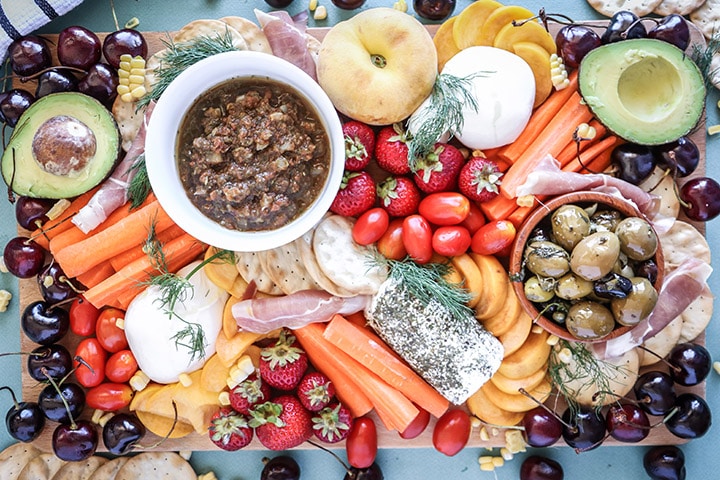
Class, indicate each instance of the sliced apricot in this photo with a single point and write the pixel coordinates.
(445, 43)
(539, 61)
(498, 19)
(533, 32)
(468, 25)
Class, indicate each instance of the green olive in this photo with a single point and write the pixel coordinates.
(605, 220)
(535, 291)
(547, 259)
(637, 238)
(623, 267)
(589, 321)
(637, 305)
(595, 255)
(570, 224)
(572, 287)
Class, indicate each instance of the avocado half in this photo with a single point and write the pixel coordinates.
(645, 91)
(63, 145)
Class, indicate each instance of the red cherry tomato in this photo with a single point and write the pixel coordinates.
(370, 226)
(361, 443)
(475, 219)
(121, 366)
(83, 317)
(417, 426)
(451, 240)
(452, 432)
(493, 237)
(417, 238)
(444, 208)
(109, 397)
(94, 355)
(110, 336)
(391, 244)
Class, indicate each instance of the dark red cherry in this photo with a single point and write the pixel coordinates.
(692, 363)
(585, 430)
(692, 418)
(75, 442)
(24, 420)
(43, 323)
(701, 197)
(78, 47)
(665, 462)
(627, 423)
(23, 257)
(536, 467)
(541, 427)
(655, 392)
(122, 432)
(31, 212)
(28, 55)
(52, 361)
(126, 41)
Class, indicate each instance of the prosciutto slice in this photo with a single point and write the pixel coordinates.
(286, 36)
(679, 289)
(263, 315)
(113, 193)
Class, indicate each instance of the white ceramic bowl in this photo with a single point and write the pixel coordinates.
(160, 147)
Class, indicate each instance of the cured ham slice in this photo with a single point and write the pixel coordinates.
(113, 193)
(286, 36)
(263, 315)
(680, 288)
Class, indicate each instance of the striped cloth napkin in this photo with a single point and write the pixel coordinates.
(21, 17)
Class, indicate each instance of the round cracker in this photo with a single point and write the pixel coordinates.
(109, 469)
(663, 185)
(679, 7)
(209, 28)
(14, 458)
(681, 242)
(250, 268)
(253, 35)
(661, 343)
(129, 120)
(285, 267)
(304, 245)
(346, 263)
(640, 8)
(83, 470)
(707, 18)
(155, 466)
(696, 316)
(42, 467)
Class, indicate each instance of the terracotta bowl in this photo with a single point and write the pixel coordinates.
(583, 199)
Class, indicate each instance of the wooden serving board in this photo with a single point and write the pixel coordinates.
(386, 439)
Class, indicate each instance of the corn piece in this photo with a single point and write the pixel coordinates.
(124, 82)
(104, 419)
(487, 467)
(120, 323)
(58, 208)
(245, 364)
(97, 414)
(126, 97)
(514, 441)
(485, 459)
(136, 79)
(137, 71)
(537, 329)
(224, 398)
(132, 23)
(565, 355)
(506, 454)
(484, 435)
(498, 461)
(716, 366)
(320, 13)
(525, 201)
(312, 5)
(123, 74)
(552, 340)
(231, 383)
(712, 130)
(400, 5)
(124, 65)
(139, 381)
(186, 454)
(126, 57)
(207, 476)
(138, 92)
(137, 62)
(475, 422)
(5, 297)
(3, 267)
(185, 380)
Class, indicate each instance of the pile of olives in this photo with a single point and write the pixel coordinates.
(591, 268)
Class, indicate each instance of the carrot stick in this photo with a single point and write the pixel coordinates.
(136, 251)
(96, 274)
(377, 357)
(139, 271)
(82, 256)
(571, 150)
(310, 337)
(498, 208)
(539, 120)
(51, 228)
(587, 157)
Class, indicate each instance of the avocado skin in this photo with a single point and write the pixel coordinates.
(645, 91)
(25, 176)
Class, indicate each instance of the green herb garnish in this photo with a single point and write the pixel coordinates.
(702, 55)
(139, 187)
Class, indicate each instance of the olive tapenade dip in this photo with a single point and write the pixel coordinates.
(252, 154)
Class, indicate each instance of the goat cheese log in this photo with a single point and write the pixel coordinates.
(456, 356)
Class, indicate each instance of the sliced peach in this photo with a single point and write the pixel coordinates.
(468, 25)
(533, 32)
(539, 61)
(517, 402)
(498, 19)
(480, 406)
(445, 43)
(214, 374)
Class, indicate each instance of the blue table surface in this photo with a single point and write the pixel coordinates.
(605, 462)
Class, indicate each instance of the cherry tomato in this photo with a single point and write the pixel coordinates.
(110, 336)
(370, 226)
(361, 443)
(417, 238)
(391, 244)
(444, 208)
(475, 219)
(493, 237)
(83, 317)
(417, 426)
(451, 240)
(94, 355)
(452, 432)
(121, 366)
(109, 397)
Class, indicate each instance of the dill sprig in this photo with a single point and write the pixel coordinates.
(427, 282)
(443, 113)
(139, 187)
(181, 55)
(702, 55)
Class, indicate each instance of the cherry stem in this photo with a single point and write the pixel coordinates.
(45, 70)
(73, 425)
(12, 394)
(550, 411)
(674, 368)
(135, 446)
(333, 454)
(32, 354)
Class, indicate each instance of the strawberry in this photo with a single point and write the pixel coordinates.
(283, 363)
(359, 145)
(282, 423)
(229, 430)
(249, 393)
(356, 194)
(315, 391)
(391, 150)
(399, 196)
(479, 179)
(332, 423)
(438, 171)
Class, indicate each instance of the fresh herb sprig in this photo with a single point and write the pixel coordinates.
(703, 55)
(139, 187)
(182, 55)
(443, 113)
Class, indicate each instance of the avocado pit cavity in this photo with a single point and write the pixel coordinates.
(63, 145)
(650, 87)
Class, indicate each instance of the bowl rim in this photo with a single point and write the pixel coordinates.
(546, 208)
(169, 112)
